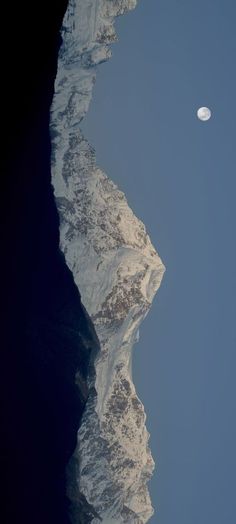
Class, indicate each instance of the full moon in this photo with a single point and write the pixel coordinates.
(204, 113)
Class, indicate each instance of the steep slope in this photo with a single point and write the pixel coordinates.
(118, 273)
(45, 333)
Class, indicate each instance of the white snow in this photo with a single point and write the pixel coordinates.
(116, 269)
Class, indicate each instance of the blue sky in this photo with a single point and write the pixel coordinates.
(179, 177)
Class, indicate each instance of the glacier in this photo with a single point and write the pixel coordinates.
(117, 271)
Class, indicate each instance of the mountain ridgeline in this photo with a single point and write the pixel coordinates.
(74, 446)
(117, 271)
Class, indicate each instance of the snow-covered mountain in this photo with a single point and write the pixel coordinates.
(118, 273)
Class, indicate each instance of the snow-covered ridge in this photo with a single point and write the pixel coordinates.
(118, 273)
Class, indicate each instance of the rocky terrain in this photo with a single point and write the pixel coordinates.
(117, 271)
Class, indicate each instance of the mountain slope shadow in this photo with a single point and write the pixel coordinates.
(46, 335)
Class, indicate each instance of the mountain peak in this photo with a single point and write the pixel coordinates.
(118, 273)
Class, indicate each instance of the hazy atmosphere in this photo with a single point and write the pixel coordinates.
(179, 177)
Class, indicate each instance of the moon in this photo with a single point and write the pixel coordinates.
(204, 113)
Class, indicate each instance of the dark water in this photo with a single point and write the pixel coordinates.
(45, 333)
